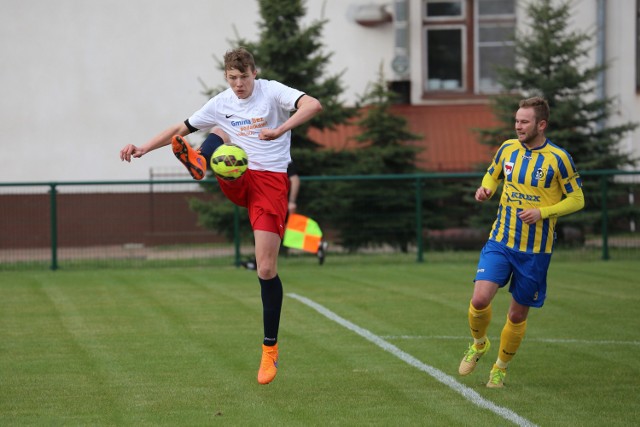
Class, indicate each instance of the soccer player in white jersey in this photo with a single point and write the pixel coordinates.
(256, 115)
(541, 183)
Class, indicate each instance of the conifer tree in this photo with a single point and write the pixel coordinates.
(378, 212)
(384, 135)
(292, 54)
(552, 62)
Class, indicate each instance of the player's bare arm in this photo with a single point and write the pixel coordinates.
(308, 107)
(163, 138)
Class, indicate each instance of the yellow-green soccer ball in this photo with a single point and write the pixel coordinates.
(229, 162)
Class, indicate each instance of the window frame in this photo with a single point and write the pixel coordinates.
(463, 75)
(426, 18)
(502, 20)
(471, 22)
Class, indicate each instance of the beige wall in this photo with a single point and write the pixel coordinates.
(621, 76)
(80, 78)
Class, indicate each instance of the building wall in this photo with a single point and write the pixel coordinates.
(449, 142)
(80, 79)
(620, 53)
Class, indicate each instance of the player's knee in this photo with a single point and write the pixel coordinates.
(222, 134)
(209, 145)
(267, 272)
(517, 316)
(480, 302)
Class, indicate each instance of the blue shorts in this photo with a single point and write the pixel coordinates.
(527, 272)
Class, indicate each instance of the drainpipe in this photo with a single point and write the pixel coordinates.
(401, 63)
(600, 55)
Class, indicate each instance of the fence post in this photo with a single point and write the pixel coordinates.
(419, 219)
(53, 225)
(605, 217)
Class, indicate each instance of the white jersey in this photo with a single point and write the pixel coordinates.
(269, 106)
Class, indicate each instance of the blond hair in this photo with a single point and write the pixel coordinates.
(540, 107)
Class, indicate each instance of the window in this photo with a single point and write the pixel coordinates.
(494, 41)
(464, 40)
(445, 58)
(444, 9)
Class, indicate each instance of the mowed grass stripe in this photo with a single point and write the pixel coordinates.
(47, 359)
(145, 345)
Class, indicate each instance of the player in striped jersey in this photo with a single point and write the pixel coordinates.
(541, 183)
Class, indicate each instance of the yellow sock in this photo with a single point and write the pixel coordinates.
(510, 339)
(479, 323)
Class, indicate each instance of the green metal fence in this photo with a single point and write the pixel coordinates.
(130, 223)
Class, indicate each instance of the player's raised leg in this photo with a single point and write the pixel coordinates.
(215, 139)
(195, 163)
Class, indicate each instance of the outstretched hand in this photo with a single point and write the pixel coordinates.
(130, 151)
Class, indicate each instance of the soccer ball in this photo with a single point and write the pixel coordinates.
(229, 162)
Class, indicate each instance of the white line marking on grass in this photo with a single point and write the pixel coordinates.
(549, 340)
(437, 374)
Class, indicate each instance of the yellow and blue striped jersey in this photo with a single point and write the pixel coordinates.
(533, 178)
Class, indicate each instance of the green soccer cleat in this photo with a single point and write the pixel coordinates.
(496, 377)
(471, 357)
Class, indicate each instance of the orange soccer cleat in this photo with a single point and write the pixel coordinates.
(268, 364)
(190, 158)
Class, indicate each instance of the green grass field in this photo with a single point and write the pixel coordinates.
(364, 341)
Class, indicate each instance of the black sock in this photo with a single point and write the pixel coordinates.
(271, 292)
(209, 145)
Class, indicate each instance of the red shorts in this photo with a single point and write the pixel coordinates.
(264, 194)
